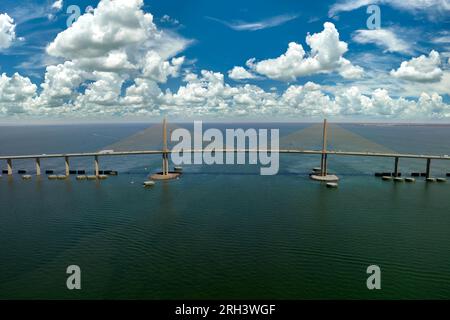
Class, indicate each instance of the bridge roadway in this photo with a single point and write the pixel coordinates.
(281, 151)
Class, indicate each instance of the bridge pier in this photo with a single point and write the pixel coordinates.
(322, 162)
(324, 165)
(38, 166)
(396, 167)
(165, 164)
(96, 166)
(9, 167)
(165, 156)
(66, 160)
(428, 171)
(323, 159)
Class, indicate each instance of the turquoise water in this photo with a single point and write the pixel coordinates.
(224, 231)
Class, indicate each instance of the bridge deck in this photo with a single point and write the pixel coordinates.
(282, 151)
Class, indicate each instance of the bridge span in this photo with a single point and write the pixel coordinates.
(165, 151)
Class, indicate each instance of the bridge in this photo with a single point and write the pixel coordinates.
(165, 151)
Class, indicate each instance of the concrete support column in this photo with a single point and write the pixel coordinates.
(396, 167)
(165, 164)
(324, 165)
(165, 156)
(67, 166)
(428, 172)
(321, 164)
(9, 165)
(38, 166)
(96, 166)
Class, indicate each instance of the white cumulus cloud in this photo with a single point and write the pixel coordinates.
(112, 26)
(421, 69)
(326, 56)
(60, 84)
(115, 26)
(7, 31)
(239, 73)
(105, 47)
(208, 94)
(159, 70)
(16, 94)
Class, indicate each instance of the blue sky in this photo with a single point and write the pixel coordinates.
(210, 38)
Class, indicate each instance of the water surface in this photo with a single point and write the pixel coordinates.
(224, 231)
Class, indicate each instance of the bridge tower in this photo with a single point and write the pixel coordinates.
(323, 161)
(165, 174)
(323, 174)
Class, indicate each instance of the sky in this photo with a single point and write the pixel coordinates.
(284, 60)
